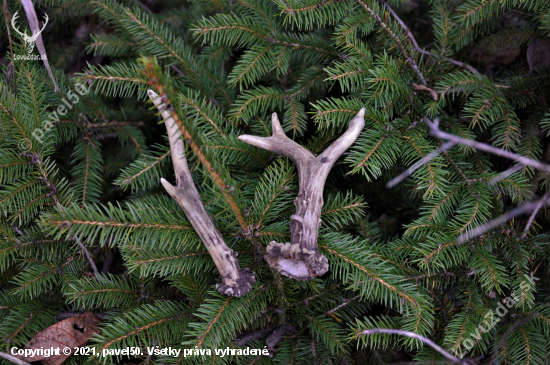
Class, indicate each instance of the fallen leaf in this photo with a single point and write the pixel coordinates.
(490, 60)
(538, 53)
(72, 332)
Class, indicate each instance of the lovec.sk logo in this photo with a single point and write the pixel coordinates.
(29, 40)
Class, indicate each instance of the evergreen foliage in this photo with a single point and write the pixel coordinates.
(93, 180)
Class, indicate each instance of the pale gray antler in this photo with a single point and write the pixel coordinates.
(234, 280)
(300, 259)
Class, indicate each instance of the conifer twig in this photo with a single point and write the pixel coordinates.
(300, 259)
(425, 340)
(234, 280)
(423, 51)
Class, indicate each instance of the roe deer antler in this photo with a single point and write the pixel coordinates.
(300, 259)
(234, 280)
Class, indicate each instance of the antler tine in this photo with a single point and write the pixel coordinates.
(338, 147)
(177, 149)
(234, 280)
(300, 259)
(276, 125)
(280, 144)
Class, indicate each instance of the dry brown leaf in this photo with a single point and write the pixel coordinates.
(538, 53)
(71, 333)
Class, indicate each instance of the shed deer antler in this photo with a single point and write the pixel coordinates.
(234, 280)
(300, 259)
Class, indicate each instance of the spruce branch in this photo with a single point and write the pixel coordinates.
(300, 259)
(234, 281)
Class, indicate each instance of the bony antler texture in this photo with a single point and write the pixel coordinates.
(300, 259)
(234, 280)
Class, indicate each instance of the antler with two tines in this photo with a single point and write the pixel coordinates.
(234, 280)
(300, 259)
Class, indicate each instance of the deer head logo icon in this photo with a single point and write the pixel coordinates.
(29, 40)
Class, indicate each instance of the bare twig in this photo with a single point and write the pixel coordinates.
(522, 209)
(243, 340)
(275, 337)
(427, 341)
(431, 362)
(234, 280)
(87, 254)
(151, 354)
(423, 51)
(532, 207)
(543, 201)
(434, 131)
(35, 29)
(13, 226)
(343, 304)
(419, 164)
(300, 259)
(397, 40)
(13, 359)
(505, 174)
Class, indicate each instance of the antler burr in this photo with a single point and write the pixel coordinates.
(300, 259)
(234, 280)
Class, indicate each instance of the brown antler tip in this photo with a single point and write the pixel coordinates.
(241, 286)
(295, 262)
